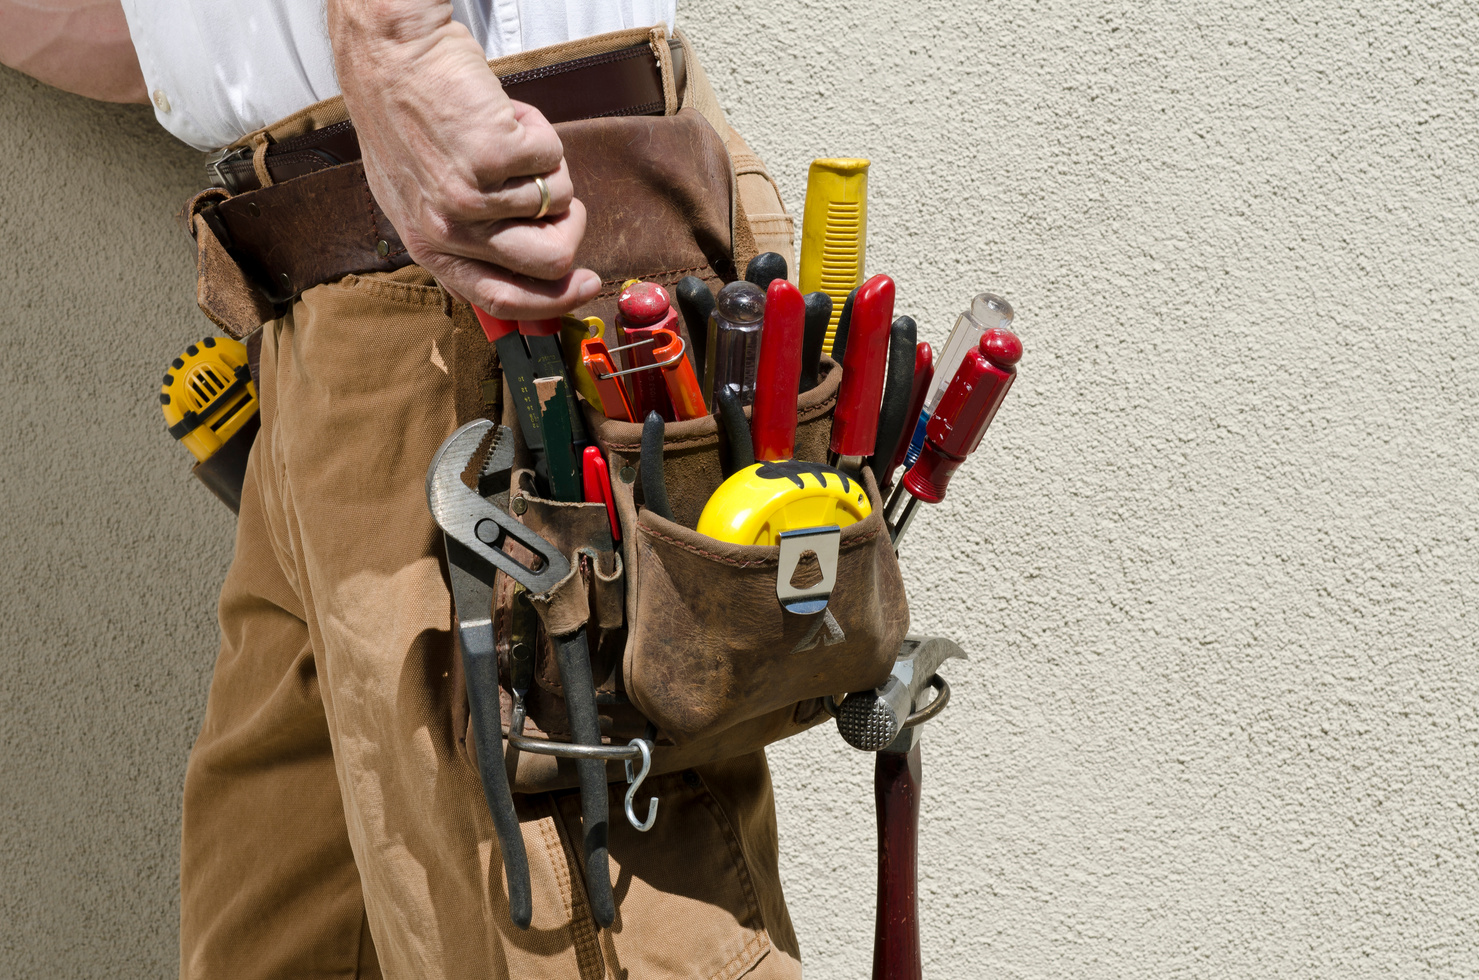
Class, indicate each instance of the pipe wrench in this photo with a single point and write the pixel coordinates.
(475, 531)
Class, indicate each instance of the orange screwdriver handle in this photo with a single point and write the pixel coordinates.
(597, 361)
(677, 371)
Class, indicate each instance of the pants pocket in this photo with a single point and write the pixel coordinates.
(687, 904)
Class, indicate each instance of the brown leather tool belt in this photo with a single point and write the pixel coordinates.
(318, 222)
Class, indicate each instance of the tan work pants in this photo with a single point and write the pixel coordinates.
(334, 826)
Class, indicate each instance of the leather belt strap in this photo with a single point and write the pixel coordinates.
(627, 82)
(318, 222)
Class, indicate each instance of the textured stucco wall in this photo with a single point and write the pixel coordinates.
(1214, 563)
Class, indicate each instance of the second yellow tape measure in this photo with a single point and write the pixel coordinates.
(759, 502)
(208, 395)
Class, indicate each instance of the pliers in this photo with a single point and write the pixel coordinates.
(475, 530)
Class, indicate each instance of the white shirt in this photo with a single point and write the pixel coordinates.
(219, 69)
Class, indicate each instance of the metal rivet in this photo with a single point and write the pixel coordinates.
(519, 505)
(287, 283)
(253, 210)
(628, 474)
(382, 248)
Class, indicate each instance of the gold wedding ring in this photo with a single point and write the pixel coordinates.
(543, 186)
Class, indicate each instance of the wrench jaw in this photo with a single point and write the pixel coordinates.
(480, 527)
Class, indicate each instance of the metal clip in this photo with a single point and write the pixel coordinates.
(682, 346)
(641, 826)
(824, 542)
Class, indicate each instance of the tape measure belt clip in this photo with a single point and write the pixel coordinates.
(822, 542)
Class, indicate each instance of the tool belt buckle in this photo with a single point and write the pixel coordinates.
(220, 178)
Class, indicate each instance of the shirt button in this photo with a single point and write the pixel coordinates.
(161, 101)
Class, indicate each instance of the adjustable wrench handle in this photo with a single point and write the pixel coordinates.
(573, 656)
(480, 665)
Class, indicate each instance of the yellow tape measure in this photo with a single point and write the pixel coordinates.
(759, 502)
(208, 395)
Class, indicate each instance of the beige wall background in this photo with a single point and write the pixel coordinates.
(1215, 562)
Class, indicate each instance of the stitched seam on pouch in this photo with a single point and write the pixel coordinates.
(759, 562)
(650, 276)
(636, 110)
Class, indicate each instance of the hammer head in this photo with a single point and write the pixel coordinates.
(871, 720)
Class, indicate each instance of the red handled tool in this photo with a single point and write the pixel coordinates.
(855, 420)
(677, 373)
(642, 309)
(959, 421)
(778, 375)
(597, 361)
(598, 486)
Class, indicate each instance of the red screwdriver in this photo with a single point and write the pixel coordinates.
(778, 375)
(855, 421)
(958, 423)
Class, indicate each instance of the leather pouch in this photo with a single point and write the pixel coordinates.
(709, 642)
(692, 647)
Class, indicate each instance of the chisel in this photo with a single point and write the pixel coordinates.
(542, 337)
(559, 448)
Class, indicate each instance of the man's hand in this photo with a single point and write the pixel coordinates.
(452, 160)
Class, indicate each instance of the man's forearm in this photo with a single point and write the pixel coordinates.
(79, 46)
